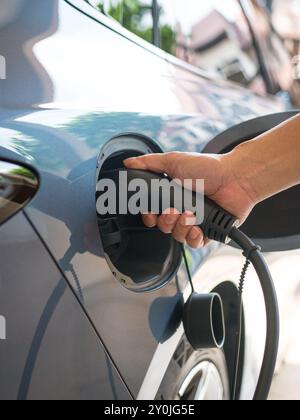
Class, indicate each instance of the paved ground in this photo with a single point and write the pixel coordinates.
(287, 383)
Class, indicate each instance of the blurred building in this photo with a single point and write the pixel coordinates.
(219, 45)
(286, 19)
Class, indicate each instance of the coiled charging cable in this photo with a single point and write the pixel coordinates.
(221, 226)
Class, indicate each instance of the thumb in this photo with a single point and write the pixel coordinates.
(155, 163)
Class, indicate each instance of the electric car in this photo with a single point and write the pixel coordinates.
(92, 308)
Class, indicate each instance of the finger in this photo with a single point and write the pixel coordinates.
(150, 220)
(195, 238)
(156, 162)
(206, 241)
(184, 226)
(168, 220)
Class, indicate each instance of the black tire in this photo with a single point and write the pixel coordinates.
(185, 361)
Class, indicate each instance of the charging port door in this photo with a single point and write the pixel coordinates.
(140, 259)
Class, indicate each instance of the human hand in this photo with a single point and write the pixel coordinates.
(222, 185)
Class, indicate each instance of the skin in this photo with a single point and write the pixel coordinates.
(237, 181)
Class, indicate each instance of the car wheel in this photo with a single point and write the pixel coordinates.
(196, 375)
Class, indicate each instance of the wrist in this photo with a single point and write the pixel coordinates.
(243, 171)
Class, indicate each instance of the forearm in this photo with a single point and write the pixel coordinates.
(270, 163)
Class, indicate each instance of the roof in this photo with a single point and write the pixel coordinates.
(214, 28)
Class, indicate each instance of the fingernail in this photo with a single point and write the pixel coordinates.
(150, 221)
(135, 163)
(129, 161)
(194, 233)
(189, 219)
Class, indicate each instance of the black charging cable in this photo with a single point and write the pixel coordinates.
(254, 255)
(221, 226)
(188, 268)
(239, 331)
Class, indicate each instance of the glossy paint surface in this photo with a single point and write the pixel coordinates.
(73, 84)
(51, 350)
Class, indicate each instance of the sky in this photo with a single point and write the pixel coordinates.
(189, 12)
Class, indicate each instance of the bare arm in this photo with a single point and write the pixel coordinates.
(270, 163)
(237, 181)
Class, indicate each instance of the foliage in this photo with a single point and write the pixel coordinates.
(168, 39)
(25, 173)
(136, 16)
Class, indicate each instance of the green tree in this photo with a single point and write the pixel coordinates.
(25, 173)
(135, 16)
(168, 39)
(131, 14)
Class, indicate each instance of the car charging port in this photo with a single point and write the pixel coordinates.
(204, 322)
(141, 259)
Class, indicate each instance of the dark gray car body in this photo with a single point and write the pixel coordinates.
(74, 80)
